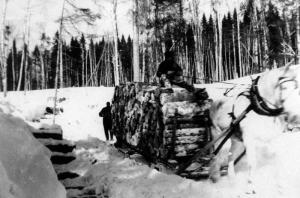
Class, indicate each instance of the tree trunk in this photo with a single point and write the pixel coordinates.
(61, 70)
(136, 61)
(234, 71)
(21, 68)
(264, 29)
(61, 74)
(287, 36)
(13, 69)
(216, 68)
(56, 84)
(198, 55)
(86, 67)
(220, 69)
(82, 64)
(42, 68)
(143, 73)
(239, 39)
(116, 64)
(298, 32)
(27, 33)
(255, 39)
(3, 50)
(91, 66)
(26, 73)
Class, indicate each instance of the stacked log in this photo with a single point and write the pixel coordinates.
(161, 124)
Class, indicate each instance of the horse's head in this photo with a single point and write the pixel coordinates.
(281, 88)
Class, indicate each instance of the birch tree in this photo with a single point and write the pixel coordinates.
(13, 55)
(60, 53)
(42, 47)
(197, 29)
(116, 53)
(218, 39)
(298, 31)
(136, 61)
(3, 39)
(25, 47)
(239, 37)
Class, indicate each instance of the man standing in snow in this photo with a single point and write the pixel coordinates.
(170, 70)
(107, 121)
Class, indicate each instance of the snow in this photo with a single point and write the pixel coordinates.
(105, 170)
(118, 177)
(25, 167)
(81, 106)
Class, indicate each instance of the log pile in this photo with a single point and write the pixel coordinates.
(160, 124)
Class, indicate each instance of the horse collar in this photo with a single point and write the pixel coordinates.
(258, 103)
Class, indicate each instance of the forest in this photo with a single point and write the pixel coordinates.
(254, 36)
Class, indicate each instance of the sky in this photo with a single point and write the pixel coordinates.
(45, 13)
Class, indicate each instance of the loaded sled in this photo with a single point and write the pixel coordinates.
(171, 129)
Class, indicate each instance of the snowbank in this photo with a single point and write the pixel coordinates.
(25, 167)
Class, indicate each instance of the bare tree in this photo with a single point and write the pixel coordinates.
(218, 39)
(194, 7)
(136, 61)
(239, 37)
(25, 46)
(116, 64)
(4, 38)
(60, 54)
(298, 30)
(42, 47)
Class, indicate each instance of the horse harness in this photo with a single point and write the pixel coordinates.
(258, 104)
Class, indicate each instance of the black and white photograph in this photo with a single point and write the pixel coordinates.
(149, 98)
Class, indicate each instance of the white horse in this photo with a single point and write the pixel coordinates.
(274, 99)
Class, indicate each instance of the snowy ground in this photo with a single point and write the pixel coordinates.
(81, 106)
(278, 173)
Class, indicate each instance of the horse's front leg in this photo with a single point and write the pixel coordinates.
(252, 164)
(236, 151)
(217, 162)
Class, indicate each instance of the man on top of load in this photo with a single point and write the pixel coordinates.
(169, 73)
